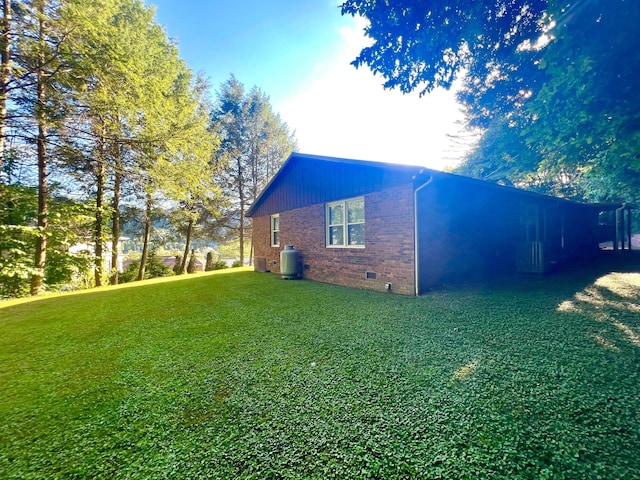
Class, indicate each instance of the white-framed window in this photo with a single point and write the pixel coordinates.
(275, 230)
(345, 223)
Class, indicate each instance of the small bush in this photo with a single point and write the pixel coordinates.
(236, 264)
(153, 269)
(219, 265)
(130, 273)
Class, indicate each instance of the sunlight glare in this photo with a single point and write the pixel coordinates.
(625, 285)
(603, 342)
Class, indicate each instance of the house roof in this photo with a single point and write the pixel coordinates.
(306, 179)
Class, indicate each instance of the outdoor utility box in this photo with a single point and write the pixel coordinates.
(289, 262)
(260, 264)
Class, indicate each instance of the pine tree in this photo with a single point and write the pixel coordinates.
(254, 143)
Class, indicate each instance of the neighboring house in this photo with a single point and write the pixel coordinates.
(409, 229)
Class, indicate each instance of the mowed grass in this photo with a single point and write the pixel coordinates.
(244, 375)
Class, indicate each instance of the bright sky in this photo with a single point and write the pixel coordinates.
(299, 52)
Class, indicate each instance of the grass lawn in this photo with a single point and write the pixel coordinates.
(243, 375)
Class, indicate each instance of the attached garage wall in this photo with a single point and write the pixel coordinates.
(465, 233)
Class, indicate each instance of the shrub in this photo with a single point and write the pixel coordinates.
(153, 269)
(130, 273)
(16, 259)
(219, 265)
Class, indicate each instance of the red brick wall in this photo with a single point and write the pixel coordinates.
(388, 252)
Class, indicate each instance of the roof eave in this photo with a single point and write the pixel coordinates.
(409, 169)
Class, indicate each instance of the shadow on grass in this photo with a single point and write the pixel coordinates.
(605, 290)
(554, 286)
(612, 299)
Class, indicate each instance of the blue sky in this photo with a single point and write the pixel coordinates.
(298, 53)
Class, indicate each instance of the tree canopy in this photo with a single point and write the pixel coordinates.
(97, 94)
(553, 85)
(100, 116)
(255, 141)
(425, 44)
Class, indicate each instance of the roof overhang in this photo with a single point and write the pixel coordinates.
(417, 174)
(412, 171)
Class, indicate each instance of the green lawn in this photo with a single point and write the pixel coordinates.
(243, 375)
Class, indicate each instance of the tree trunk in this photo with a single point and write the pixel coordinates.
(98, 232)
(241, 186)
(43, 214)
(191, 268)
(183, 267)
(40, 259)
(241, 233)
(5, 55)
(115, 225)
(147, 236)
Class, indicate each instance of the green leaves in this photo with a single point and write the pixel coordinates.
(423, 45)
(70, 223)
(254, 143)
(575, 134)
(553, 86)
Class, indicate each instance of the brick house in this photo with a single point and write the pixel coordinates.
(408, 229)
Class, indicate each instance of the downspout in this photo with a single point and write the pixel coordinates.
(617, 235)
(416, 253)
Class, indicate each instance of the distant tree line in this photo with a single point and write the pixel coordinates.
(99, 116)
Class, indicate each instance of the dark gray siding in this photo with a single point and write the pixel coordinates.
(305, 181)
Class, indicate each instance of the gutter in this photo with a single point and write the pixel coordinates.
(416, 258)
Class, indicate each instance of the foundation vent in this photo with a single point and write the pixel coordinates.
(260, 264)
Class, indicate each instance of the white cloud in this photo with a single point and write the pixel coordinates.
(345, 112)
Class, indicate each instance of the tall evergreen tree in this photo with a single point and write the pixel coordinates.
(135, 113)
(41, 55)
(187, 178)
(254, 143)
(123, 52)
(96, 92)
(5, 71)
